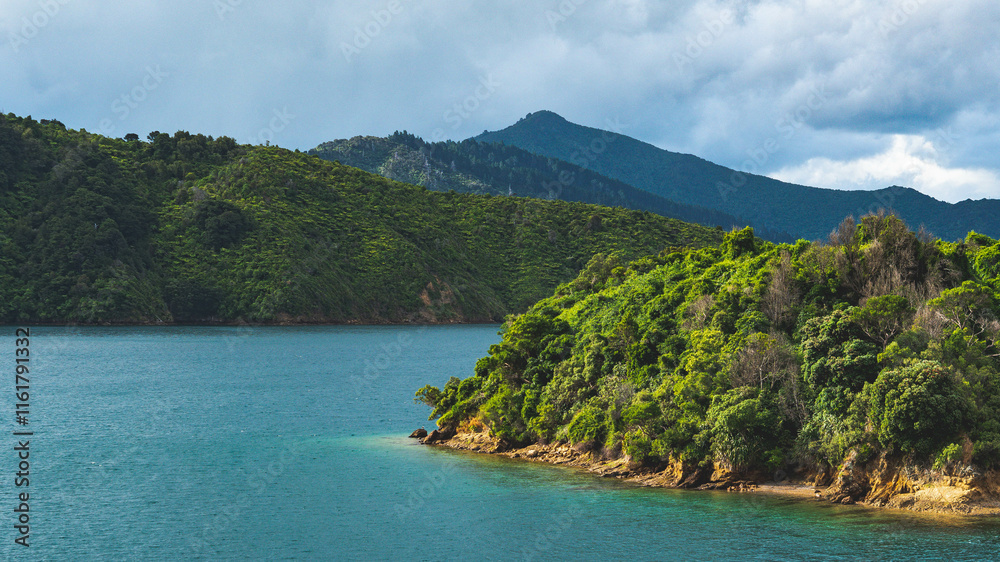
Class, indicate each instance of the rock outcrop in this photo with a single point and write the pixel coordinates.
(883, 482)
(879, 482)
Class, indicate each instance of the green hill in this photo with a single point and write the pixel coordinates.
(473, 167)
(754, 357)
(805, 212)
(187, 228)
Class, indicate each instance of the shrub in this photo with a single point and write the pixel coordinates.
(918, 407)
(588, 426)
(222, 223)
(502, 413)
(948, 455)
(638, 447)
(745, 428)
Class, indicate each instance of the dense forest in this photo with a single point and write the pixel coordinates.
(189, 228)
(473, 167)
(879, 344)
(804, 212)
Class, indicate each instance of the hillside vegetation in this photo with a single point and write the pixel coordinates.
(188, 228)
(754, 357)
(497, 169)
(804, 212)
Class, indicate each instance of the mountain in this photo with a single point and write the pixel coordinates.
(189, 228)
(805, 212)
(473, 167)
(868, 365)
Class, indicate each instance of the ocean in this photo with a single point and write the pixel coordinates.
(290, 443)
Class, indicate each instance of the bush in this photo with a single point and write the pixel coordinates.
(986, 451)
(641, 412)
(222, 223)
(587, 427)
(638, 447)
(948, 455)
(918, 407)
(835, 355)
(738, 242)
(503, 414)
(745, 428)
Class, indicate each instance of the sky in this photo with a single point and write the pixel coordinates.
(847, 94)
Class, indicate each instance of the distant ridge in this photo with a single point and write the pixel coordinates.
(803, 211)
(487, 168)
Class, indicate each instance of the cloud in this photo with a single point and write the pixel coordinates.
(716, 78)
(910, 160)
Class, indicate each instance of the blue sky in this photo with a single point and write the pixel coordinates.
(851, 94)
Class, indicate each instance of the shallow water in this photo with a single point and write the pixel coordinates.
(289, 443)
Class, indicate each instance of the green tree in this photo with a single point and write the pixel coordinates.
(918, 407)
(883, 318)
(746, 429)
(834, 353)
(223, 224)
(971, 306)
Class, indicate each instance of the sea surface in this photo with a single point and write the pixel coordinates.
(290, 444)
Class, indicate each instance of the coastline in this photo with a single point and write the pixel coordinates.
(941, 495)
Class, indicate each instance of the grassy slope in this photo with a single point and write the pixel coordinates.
(472, 167)
(190, 228)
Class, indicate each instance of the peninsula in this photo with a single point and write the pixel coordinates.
(864, 367)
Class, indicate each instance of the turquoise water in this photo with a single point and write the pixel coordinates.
(289, 444)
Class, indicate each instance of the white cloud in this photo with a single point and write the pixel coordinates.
(909, 161)
(708, 77)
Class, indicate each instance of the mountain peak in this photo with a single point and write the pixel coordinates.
(807, 212)
(545, 115)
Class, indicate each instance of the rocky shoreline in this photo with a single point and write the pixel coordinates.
(876, 484)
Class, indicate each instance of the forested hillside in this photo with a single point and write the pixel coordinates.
(879, 346)
(804, 212)
(189, 228)
(497, 169)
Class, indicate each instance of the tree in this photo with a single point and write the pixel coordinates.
(834, 353)
(970, 307)
(428, 395)
(918, 407)
(739, 242)
(764, 361)
(745, 428)
(191, 300)
(879, 255)
(782, 294)
(222, 223)
(883, 318)
(987, 261)
(587, 427)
